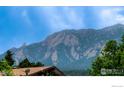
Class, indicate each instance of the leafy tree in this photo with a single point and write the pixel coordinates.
(96, 66)
(110, 49)
(5, 68)
(112, 57)
(122, 39)
(9, 58)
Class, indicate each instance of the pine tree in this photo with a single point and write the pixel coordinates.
(25, 63)
(9, 58)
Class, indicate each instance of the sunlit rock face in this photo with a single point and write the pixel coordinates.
(69, 49)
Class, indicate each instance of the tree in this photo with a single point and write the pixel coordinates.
(112, 57)
(122, 39)
(9, 58)
(5, 68)
(110, 49)
(25, 63)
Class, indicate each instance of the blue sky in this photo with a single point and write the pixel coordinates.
(20, 25)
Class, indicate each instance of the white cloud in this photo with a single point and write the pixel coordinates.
(53, 18)
(64, 18)
(73, 17)
(110, 16)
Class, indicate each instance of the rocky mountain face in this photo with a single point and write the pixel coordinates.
(69, 49)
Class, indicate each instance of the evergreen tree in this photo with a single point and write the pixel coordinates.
(25, 63)
(9, 58)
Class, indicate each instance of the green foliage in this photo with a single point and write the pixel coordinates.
(26, 63)
(122, 39)
(112, 57)
(5, 68)
(9, 58)
(110, 48)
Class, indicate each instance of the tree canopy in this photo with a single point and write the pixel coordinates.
(111, 59)
(5, 68)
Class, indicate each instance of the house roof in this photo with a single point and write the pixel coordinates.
(1, 74)
(33, 70)
(21, 71)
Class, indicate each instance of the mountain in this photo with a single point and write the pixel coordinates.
(69, 50)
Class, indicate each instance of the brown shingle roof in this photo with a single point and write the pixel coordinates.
(34, 70)
(21, 71)
(1, 74)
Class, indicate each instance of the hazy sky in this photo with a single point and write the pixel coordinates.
(20, 25)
